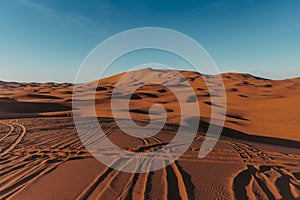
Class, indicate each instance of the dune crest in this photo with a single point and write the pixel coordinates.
(255, 105)
(256, 157)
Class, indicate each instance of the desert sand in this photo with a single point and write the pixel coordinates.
(257, 156)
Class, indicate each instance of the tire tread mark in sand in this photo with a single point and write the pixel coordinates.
(262, 155)
(173, 191)
(175, 174)
(284, 182)
(190, 187)
(16, 183)
(53, 140)
(88, 138)
(64, 143)
(148, 185)
(102, 176)
(259, 153)
(16, 141)
(243, 154)
(280, 189)
(245, 151)
(176, 186)
(8, 133)
(98, 180)
(23, 178)
(130, 190)
(149, 175)
(240, 183)
(116, 172)
(10, 169)
(129, 187)
(107, 133)
(143, 178)
(148, 147)
(18, 171)
(144, 141)
(181, 185)
(156, 139)
(29, 178)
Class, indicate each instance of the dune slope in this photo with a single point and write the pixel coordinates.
(255, 106)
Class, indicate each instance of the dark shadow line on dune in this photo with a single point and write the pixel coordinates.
(173, 190)
(187, 178)
(265, 188)
(228, 132)
(241, 181)
(283, 185)
(148, 185)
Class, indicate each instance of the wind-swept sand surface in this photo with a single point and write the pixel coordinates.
(257, 156)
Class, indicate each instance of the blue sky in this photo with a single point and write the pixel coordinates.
(48, 40)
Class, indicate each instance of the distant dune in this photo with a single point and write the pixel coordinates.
(256, 157)
(255, 106)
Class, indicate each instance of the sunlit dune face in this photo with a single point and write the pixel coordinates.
(254, 105)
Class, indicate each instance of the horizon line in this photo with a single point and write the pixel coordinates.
(183, 70)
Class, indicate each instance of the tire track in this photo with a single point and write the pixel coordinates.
(16, 177)
(248, 152)
(130, 191)
(144, 141)
(16, 141)
(148, 187)
(109, 182)
(127, 191)
(98, 180)
(174, 174)
(182, 191)
(142, 181)
(29, 178)
(34, 171)
(274, 182)
(106, 135)
(8, 133)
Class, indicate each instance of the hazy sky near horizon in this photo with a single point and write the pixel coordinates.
(47, 40)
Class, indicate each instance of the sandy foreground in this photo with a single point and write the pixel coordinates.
(43, 158)
(257, 156)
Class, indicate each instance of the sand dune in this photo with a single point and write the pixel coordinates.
(257, 156)
(255, 106)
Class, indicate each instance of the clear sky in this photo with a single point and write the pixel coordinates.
(48, 40)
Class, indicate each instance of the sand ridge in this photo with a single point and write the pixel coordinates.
(252, 102)
(257, 156)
